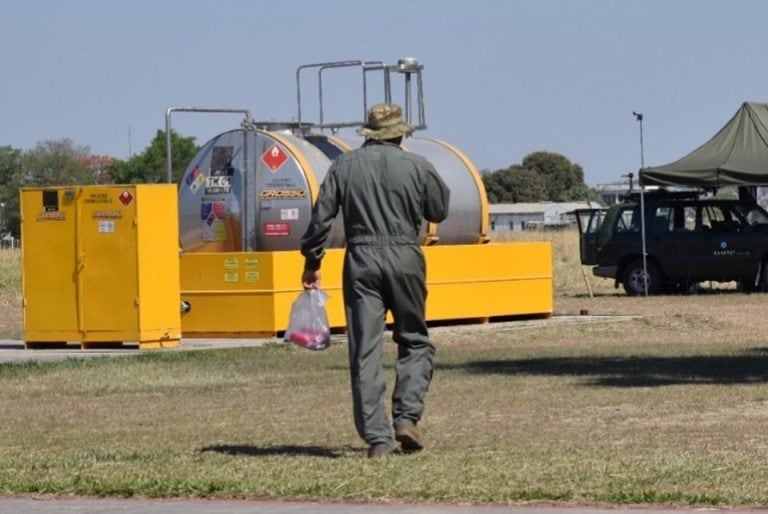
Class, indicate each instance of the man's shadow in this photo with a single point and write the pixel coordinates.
(288, 450)
(748, 367)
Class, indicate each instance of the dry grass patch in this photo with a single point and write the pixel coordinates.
(666, 408)
(570, 277)
(10, 294)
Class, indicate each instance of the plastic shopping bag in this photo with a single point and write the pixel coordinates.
(308, 324)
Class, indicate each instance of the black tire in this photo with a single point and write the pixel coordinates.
(632, 278)
(763, 286)
(682, 287)
(748, 285)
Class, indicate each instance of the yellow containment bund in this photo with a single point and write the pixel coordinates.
(100, 265)
(249, 294)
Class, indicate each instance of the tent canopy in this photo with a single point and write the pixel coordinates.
(736, 156)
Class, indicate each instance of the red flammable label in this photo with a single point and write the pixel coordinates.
(125, 197)
(274, 157)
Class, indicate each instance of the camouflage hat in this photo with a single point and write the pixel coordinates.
(385, 121)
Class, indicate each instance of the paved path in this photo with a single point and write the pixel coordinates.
(109, 506)
(14, 351)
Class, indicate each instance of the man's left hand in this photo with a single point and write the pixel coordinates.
(311, 279)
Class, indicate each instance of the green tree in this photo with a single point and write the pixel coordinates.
(542, 176)
(515, 184)
(564, 179)
(10, 176)
(55, 163)
(150, 166)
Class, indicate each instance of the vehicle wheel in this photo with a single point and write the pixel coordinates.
(675, 287)
(633, 280)
(748, 286)
(763, 287)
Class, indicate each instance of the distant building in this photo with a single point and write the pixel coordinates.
(8, 241)
(611, 192)
(509, 217)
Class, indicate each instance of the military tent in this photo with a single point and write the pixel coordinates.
(736, 156)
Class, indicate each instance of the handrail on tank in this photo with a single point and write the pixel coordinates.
(407, 66)
(321, 66)
(248, 124)
(366, 67)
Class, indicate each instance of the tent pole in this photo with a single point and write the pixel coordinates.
(642, 238)
(639, 118)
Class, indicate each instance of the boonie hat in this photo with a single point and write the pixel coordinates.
(385, 121)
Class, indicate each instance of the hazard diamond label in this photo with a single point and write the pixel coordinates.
(125, 197)
(274, 157)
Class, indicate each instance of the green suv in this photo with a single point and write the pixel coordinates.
(688, 240)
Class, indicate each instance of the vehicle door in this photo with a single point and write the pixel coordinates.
(589, 221)
(684, 248)
(735, 256)
(619, 235)
(724, 251)
(663, 241)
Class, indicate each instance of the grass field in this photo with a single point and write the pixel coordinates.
(668, 407)
(10, 294)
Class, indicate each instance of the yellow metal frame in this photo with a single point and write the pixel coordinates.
(249, 294)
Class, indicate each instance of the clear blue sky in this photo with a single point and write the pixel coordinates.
(502, 78)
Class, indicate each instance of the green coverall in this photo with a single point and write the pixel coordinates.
(384, 194)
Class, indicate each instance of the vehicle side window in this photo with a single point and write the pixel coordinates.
(754, 215)
(711, 216)
(626, 221)
(662, 220)
(732, 221)
(689, 217)
(721, 219)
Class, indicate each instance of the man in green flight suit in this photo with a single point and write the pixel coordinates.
(384, 194)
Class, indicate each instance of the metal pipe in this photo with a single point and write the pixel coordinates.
(168, 154)
(366, 67)
(408, 98)
(409, 67)
(420, 95)
(248, 125)
(369, 66)
(244, 244)
(314, 65)
(387, 86)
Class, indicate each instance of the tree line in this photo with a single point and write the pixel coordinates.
(62, 162)
(541, 176)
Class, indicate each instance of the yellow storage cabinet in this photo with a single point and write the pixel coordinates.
(100, 264)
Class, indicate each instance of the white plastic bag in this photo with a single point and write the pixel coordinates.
(308, 323)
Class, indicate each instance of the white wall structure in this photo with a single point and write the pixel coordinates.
(516, 217)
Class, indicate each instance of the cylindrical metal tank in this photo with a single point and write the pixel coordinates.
(267, 207)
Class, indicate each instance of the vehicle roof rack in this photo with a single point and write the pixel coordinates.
(663, 194)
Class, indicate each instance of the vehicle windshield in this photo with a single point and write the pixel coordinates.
(753, 214)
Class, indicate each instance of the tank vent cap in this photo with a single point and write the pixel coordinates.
(408, 64)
